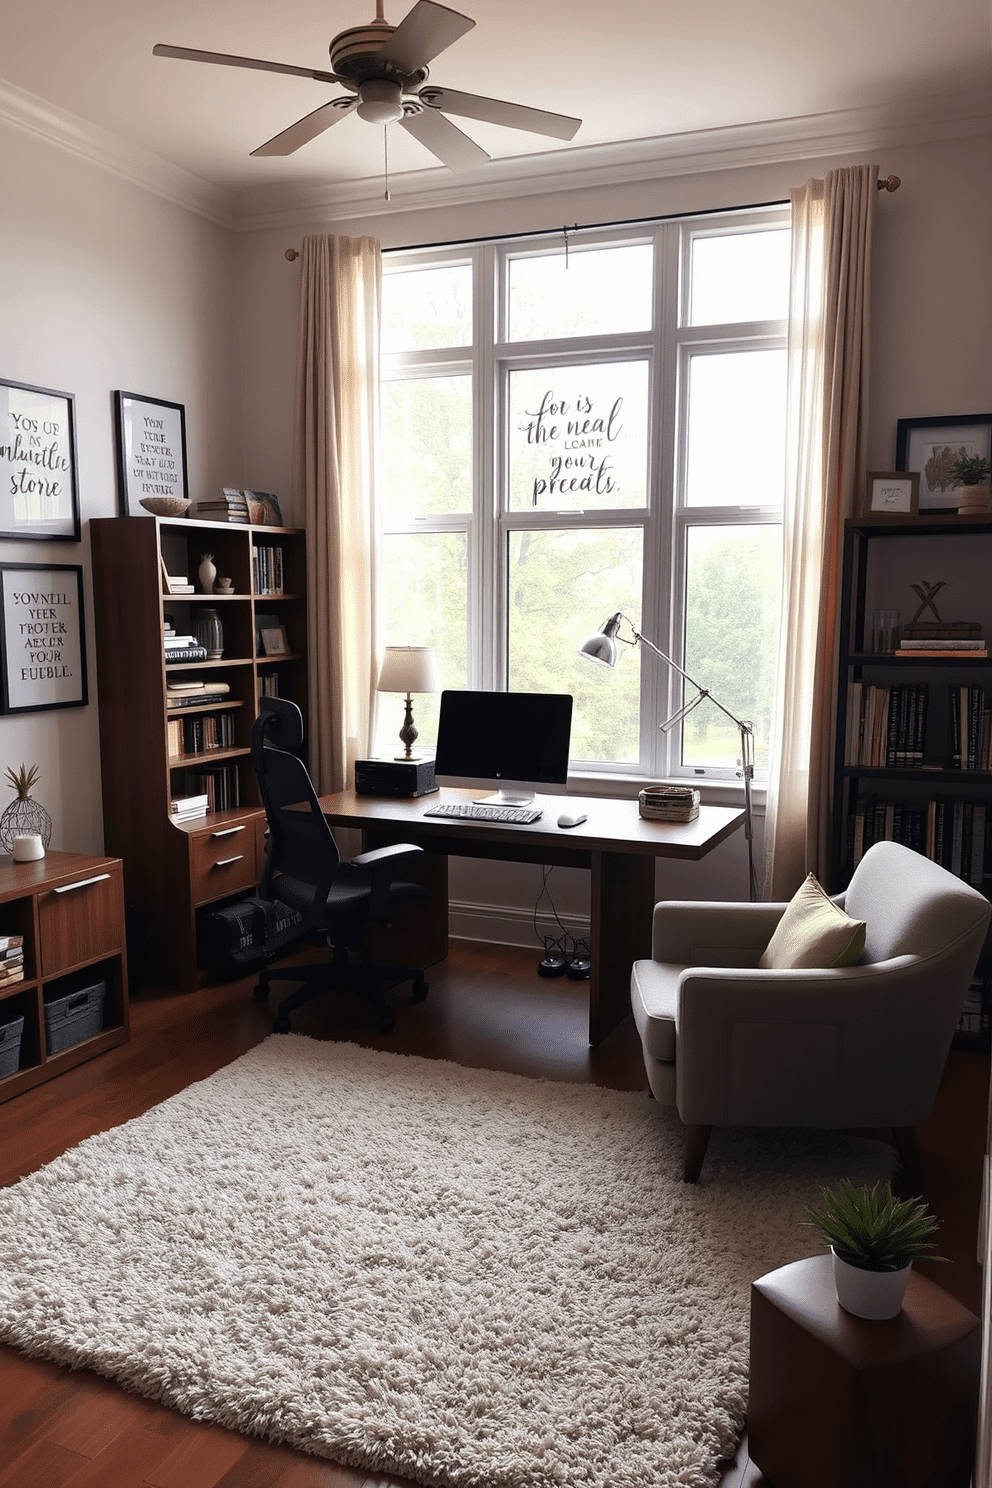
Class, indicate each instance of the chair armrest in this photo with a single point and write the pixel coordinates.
(383, 863)
(694, 933)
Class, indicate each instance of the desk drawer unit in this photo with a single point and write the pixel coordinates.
(223, 861)
(80, 921)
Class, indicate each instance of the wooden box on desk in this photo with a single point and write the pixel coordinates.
(836, 1400)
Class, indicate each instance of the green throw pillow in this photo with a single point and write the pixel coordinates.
(813, 932)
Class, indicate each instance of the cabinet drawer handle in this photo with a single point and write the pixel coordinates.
(82, 884)
(228, 831)
(226, 862)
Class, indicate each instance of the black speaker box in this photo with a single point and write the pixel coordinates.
(394, 777)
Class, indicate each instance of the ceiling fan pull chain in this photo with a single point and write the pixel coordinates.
(385, 156)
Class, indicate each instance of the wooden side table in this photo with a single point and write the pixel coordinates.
(839, 1400)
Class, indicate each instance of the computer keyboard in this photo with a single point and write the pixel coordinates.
(472, 811)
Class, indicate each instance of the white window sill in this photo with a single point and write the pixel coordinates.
(627, 787)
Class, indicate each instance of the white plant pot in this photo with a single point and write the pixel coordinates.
(869, 1294)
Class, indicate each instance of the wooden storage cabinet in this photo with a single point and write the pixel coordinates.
(69, 907)
(173, 870)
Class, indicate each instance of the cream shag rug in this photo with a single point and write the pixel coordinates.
(457, 1275)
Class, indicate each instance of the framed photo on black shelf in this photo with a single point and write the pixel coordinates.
(930, 446)
(151, 452)
(39, 494)
(274, 641)
(892, 493)
(42, 647)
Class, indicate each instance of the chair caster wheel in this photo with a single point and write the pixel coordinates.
(386, 1023)
(281, 1025)
(420, 990)
(260, 992)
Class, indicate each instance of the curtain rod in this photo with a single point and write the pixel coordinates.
(887, 183)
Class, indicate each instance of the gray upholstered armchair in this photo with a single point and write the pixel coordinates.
(731, 1044)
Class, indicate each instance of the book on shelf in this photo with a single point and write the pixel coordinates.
(948, 655)
(15, 974)
(179, 642)
(11, 942)
(942, 643)
(177, 654)
(202, 699)
(942, 630)
(267, 576)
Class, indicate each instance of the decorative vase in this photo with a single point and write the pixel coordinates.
(207, 572)
(24, 816)
(974, 501)
(210, 632)
(869, 1294)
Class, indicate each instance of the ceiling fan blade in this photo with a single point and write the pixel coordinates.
(426, 32)
(307, 128)
(189, 54)
(495, 111)
(453, 148)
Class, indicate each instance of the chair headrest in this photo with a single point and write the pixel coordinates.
(281, 723)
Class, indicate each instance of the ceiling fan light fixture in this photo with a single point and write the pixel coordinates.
(379, 101)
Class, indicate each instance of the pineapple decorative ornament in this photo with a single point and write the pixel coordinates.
(24, 815)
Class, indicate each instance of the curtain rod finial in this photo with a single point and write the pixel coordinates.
(292, 254)
(890, 183)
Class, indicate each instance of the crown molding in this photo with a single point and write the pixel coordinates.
(116, 155)
(734, 147)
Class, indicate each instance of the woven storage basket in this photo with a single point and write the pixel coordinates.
(668, 803)
(10, 1046)
(74, 1016)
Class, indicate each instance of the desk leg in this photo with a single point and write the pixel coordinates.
(417, 934)
(622, 902)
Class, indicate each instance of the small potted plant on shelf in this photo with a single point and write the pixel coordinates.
(874, 1239)
(973, 472)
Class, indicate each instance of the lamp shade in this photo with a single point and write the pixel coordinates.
(602, 646)
(409, 669)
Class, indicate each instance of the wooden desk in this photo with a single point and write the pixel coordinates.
(614, 843)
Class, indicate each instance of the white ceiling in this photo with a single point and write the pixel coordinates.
(637, 72)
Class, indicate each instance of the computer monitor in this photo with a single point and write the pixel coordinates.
(513, 744)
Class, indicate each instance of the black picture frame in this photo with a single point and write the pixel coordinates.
(929, 446)
(42, 637)
(151, 450)
(39, 484)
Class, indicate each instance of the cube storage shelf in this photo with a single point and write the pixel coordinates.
(69, 909)
(176, 870)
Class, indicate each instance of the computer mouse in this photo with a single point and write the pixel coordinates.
(565, 820)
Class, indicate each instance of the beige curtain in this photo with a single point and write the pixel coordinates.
(832, 226)
(334, 479)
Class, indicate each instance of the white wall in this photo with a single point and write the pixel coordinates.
(931, 328)
(106, 286)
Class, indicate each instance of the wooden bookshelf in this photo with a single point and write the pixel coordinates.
(173, 871)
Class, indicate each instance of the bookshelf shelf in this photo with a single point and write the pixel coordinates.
(936, 708)
(175, 870)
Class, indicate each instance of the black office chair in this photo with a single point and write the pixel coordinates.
(303, 869)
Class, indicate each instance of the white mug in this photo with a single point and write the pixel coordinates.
(27, 847)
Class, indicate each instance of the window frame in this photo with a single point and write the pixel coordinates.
(667, 346)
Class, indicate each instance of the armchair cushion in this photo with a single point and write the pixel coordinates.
(814, 932)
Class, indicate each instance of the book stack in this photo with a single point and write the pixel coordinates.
(230, 506)
(182, 648)
(674, 803)
(187, 808)
(11, 959)
(218, 785)
(194, 694)
(970, 727)
(958, 638)
(886, 726)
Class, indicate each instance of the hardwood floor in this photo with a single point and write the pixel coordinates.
(487, 1007)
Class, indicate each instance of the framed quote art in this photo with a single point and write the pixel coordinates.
(151, 450)
(39, 495)
(42, 644)
(892, 493)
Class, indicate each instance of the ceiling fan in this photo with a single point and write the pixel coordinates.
(385, 69)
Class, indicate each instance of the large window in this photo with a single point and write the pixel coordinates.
(574, 430)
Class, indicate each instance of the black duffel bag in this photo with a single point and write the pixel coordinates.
(247, 935)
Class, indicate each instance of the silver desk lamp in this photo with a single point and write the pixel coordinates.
(602, 647)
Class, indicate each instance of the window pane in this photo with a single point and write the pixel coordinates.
(598, 291)
(424, 588)
(578, 437)
(740, 276)
(426, 447)
(562, 585)
(736, 444)
(733, 583)
(426, 308)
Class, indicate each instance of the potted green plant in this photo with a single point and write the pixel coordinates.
(973, 473)
(874, 1239)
